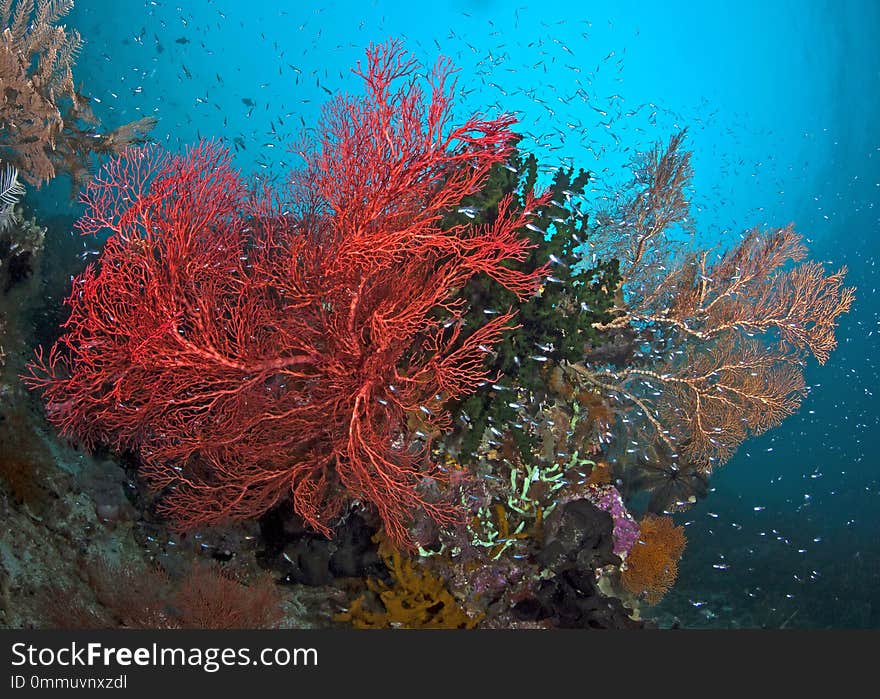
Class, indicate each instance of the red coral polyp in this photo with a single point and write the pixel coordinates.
(252, 352)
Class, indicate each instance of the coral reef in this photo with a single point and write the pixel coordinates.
(409, 388)
(211, 598)
(36, 62)
(554, 325)
(626, 530)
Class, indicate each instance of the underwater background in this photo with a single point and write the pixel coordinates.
(781, 102)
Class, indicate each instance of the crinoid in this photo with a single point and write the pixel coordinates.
(674, 485)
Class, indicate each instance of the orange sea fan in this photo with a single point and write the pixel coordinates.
(722, 337)
(652, 563)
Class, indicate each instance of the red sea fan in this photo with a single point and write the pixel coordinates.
(251, 352)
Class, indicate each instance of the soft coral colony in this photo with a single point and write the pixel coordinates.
(411, 330)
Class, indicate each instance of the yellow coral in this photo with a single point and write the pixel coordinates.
(652, 564)
(416, 599)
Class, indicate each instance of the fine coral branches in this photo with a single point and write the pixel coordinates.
(207, 596)
(75, 150)
(36, 61)
(705, 405)
(45, 123)
(722, 341)
(749, 291)
(635, 233)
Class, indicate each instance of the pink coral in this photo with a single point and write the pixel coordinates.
(626, 529)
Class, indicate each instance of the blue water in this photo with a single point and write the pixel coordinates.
(782, 102)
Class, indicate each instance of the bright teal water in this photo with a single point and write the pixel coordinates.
(781, 99)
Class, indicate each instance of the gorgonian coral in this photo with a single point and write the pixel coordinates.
(251, 352)
(652, 564)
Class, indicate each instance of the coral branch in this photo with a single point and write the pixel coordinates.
(46, 125)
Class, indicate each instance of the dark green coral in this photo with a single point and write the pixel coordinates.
(556, 324)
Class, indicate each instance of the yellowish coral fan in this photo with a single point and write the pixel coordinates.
(36, 60)
(652, 564)
(416, 599)
(47, 124)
